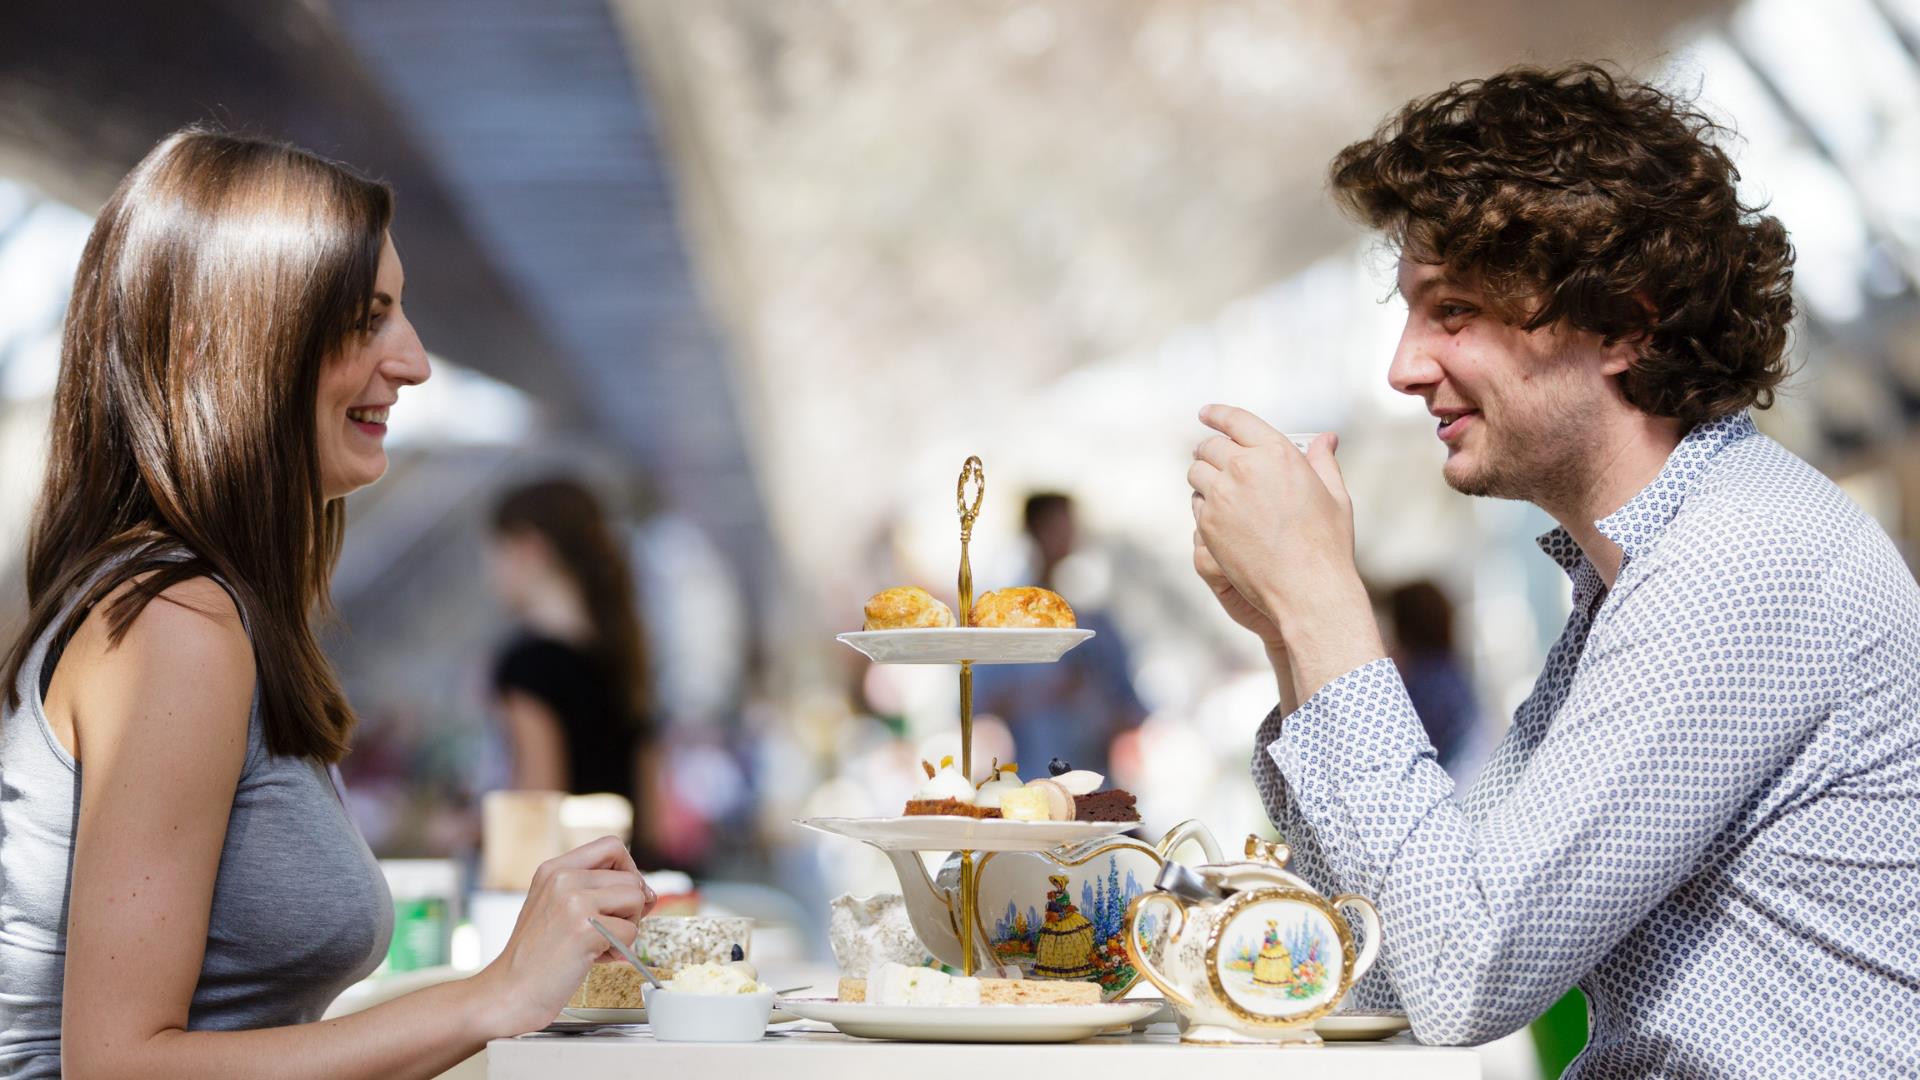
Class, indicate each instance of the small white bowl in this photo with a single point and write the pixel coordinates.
(679, 1017)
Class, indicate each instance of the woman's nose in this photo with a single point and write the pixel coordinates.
(407, 364)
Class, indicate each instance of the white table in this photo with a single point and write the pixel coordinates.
(813, 1052)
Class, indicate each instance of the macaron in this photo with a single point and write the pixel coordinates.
(1059, 799)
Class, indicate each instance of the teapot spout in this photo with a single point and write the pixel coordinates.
(930, 907)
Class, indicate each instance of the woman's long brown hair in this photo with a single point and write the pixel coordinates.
(568, 517)
(219, 278)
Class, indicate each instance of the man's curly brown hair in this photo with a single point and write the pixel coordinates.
(1575, 194)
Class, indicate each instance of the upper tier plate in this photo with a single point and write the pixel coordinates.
(931, 833)
(955, 645)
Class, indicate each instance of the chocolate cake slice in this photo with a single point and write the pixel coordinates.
(1111, 805)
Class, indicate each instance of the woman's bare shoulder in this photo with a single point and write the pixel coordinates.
(193, 621)
(185, 656)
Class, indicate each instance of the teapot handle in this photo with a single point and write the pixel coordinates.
(1362, 909)
(1141, 961)
(1189, 829)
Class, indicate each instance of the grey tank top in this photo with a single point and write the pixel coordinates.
(300, 908)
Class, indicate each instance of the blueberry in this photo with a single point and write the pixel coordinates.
(1056, 767)
(739, 954)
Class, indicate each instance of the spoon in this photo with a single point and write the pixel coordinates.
(626, 952)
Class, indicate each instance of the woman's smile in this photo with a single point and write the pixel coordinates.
(370, 419)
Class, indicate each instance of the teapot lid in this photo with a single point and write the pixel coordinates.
(1265, 864)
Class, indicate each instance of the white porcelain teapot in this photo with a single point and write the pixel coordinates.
(1246, 951)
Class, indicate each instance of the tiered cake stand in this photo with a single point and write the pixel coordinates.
(966, 647)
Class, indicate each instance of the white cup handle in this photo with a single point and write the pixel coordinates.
(1362, 908)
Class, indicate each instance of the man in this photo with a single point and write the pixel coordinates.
(1707, 813)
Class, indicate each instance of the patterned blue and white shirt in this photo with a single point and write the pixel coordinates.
(1706, 814)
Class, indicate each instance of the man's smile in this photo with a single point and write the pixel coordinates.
(1453, 422)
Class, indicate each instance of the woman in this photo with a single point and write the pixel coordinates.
(573, 686)
(235, 340)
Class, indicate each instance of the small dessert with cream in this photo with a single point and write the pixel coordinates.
(1069, 794)
(709, 1002)
(946, 792)
(1003, 779)
(1089, 802)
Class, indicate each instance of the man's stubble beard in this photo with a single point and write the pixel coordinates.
(1545, 457)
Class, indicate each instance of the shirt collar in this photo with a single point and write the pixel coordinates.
(1645, 517)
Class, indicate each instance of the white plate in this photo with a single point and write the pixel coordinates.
(1359, 1026)
(955, 645)
(639, 1016)
(940, 833)
(577, 1027)
(975, 1023)
(606, 1016)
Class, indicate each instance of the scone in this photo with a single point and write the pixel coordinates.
(907, 607)
(1022, 607)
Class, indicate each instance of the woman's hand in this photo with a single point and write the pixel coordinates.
(552, 944)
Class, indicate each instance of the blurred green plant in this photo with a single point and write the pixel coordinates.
(1560, 1033)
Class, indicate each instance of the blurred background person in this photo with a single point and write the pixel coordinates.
(1436, 675)
(573, 685)
(1075, 709)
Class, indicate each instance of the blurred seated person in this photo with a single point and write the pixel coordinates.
(1072, 710)
(1436, 678)
(573, 682)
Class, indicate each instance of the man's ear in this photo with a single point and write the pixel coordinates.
(1619, 355)
(1617, 358)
